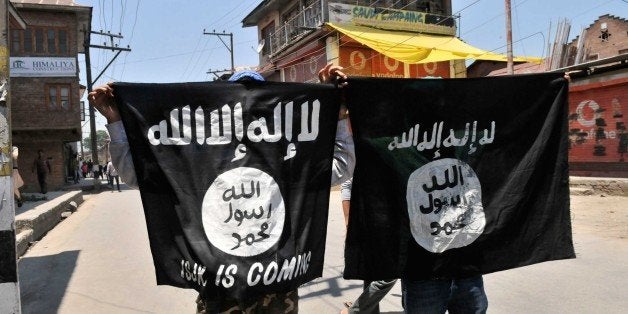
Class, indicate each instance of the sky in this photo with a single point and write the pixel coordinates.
(168, 45)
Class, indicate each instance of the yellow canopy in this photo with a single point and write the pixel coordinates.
(411, 47)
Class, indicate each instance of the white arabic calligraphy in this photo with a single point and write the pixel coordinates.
(226, 123)
(411, 137)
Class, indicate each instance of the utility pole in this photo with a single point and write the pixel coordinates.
(215, 72)
(230, 47)
(509, 65)
(90, 83)
(9, 284)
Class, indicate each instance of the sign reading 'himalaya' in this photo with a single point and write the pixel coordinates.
(234, 179)
(457, 178)
(42, 67)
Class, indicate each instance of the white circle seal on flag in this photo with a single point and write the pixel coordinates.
(445, 205)
(243, 212)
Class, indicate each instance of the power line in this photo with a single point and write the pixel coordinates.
(523, 47)
(198, 42)
(492, 18)
(243, 10)
(199, 57)
(230, 11)
(137, 7)
(122, 13)
(399, 43)
(584, 12)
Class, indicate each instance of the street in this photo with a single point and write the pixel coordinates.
(98, 261)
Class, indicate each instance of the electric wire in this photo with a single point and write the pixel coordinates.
(492, 18)
(137, 7)
(122, 14)
(243, 10)
(229, 12)
(200, 54)
(492, 50)
(198, 42)
(516, 13)
(375, 55)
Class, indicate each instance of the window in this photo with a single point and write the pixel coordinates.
(28, 41)
(266, 32)
(39, 40)
(64, 97)
(52, 97)
(16, 41)
(58, 96)
(63, 41)
(290, 16)
(592, 57)
(52, 45)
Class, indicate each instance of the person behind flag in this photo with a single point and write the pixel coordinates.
(343, 163)
(374, 291)
(459, 295)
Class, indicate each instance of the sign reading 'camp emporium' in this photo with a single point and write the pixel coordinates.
(389, 18)
(42, 66)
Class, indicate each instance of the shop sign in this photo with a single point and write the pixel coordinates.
(42, 67)
(305, 70)
(358, 61)
(385, 18)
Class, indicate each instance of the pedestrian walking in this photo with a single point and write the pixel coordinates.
(42, 166)
(95, 171)
(17, 178)
(112, 174)
(84, 169)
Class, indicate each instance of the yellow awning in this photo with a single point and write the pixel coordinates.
(411, 47)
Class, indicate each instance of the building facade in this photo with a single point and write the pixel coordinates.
(598, 102)
(604, 38)
(45, 89)
(295, 42)
(598, 96)
(597, 125)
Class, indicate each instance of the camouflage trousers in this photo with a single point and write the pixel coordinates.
(284, 303)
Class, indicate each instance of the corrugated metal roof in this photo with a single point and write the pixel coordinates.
(523, 68)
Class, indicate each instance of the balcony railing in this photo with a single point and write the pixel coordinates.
(307, 20)
(312, 17)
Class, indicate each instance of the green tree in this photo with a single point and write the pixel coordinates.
(101, 139)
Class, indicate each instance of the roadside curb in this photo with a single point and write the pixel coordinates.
(33, 224)
(591, 185)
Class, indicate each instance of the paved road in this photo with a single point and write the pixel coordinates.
(98, 261)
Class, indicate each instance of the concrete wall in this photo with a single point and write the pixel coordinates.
(598, 108)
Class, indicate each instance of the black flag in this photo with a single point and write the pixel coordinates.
(234, 180)
(457, 177)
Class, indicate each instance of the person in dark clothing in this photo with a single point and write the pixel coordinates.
(90, 167)
(84, 169)
(42, 166)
